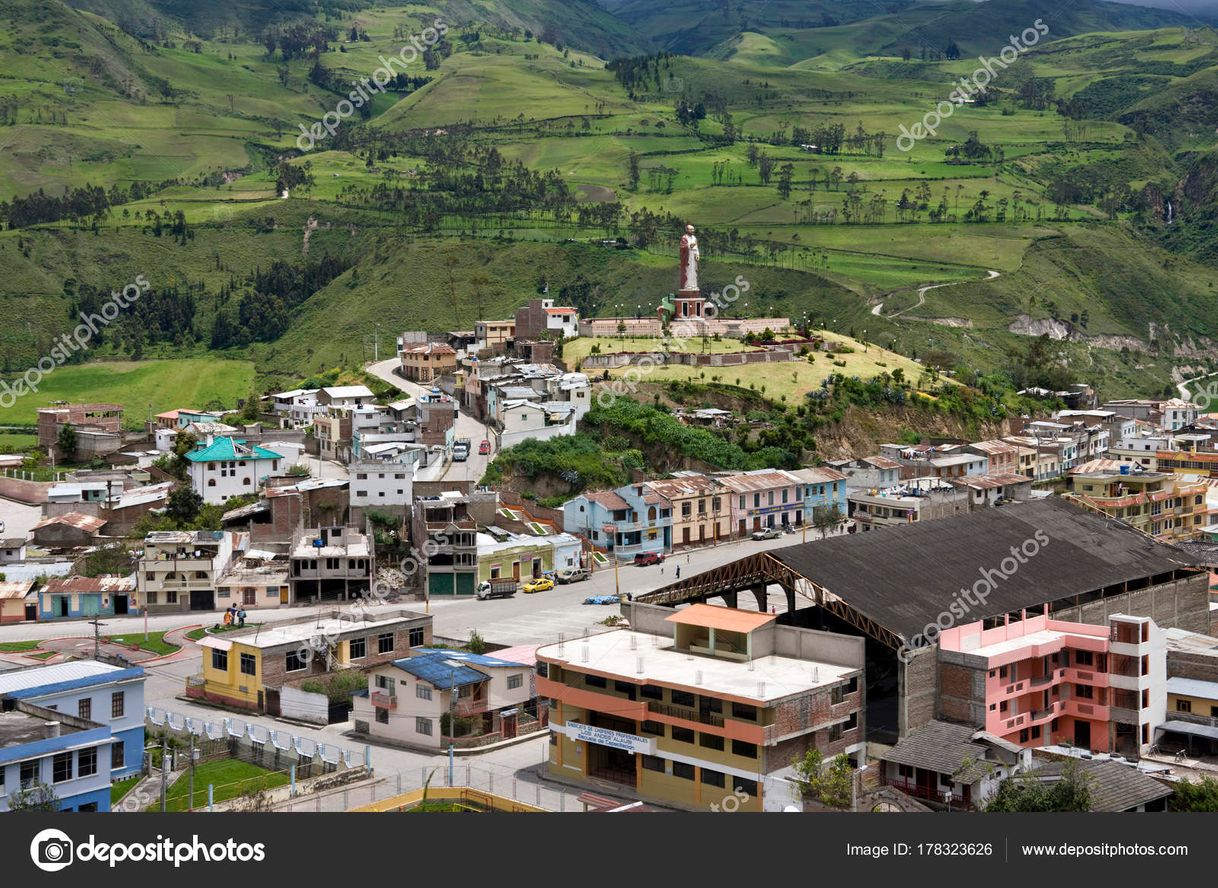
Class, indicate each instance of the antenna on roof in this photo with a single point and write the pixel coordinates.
(761, 689)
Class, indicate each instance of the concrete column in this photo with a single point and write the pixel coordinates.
(729, 598)
(760, 594)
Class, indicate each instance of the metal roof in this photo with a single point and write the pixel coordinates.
(1193, 687)
(905, 576)
(37, 681)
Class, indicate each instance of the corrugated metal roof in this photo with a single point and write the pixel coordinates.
(1193, 687)
(75, 673)
(87, 523)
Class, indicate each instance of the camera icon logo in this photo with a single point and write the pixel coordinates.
(51, 850)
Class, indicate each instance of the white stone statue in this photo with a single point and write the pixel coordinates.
(689, 261)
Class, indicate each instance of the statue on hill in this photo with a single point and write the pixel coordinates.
(689, 261)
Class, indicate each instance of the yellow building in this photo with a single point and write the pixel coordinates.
(248, 668)
(1165, 506)
(700, 512)
(1192, 697)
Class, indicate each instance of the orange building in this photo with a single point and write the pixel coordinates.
(700, 708)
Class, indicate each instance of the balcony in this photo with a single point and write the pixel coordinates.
(931, 794)
(706, 718)
(468, 707)
(384, 700)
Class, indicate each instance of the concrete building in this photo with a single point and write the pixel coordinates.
(70, 755)
(632, 520)
(700, 513)
(249, 669)
(337, 396)
(179, 568)
(444, 529)
(18, 601)
(109, 694)
(98, 427)
(1166, 506)
(1037, 681)
(911, 502)
(385, 486)
(425, 363)
(414, 700)
(229, 467)
(74, 598)
(822, 489)
(686, 708)
(331, 563)
(763, 498)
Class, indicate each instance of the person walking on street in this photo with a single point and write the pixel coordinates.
(241, 617)
(678, 571)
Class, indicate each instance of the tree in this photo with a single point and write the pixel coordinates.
(826, 518)
(66, 442)
(1201, 796)
(476, 643)
(183, 505)
(38, 796)
(1027, 792)
(830, 785)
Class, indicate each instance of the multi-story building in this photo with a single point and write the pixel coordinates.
(493, 335)
(700, 512)
(1041, 682)
(249, 669)
(632, 520)
(1165, 506)
(1169, 414)
(541, 317)
(763, 498)
(41, 747)
(387, 486)
(108, 694)
(295, 408)
(98, 428)
(229, 467)
(446, 533)
(424, 363)
(179, 568)
(345, 396)
(687, 708)
(434, 696)
(1002, 456)
(821, 489)
(329, 563)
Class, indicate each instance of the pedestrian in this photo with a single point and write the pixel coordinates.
(678, 571)
(630, 596)
(689, 558)
(661, 570)
(241, 617)
(228, 617)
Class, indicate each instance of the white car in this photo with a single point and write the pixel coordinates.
(767, 533)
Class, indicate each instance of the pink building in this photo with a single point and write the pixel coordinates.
(763, 498)
(1043, 682)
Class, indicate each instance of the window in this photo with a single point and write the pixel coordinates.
(543, 669)
(1085, 692)
(118, 756)
(293, 662)
(171, 596)
(1083, 658)
(835, 732)
(85, 708)
(86, 762)
(384, 682)
(416, 636)
(682, 698)
(682, 735)
(682, 770)
(422, 691)
(595, 681)
(219, 660)
(748, 787)
(422, 726)
(1184, 706)
(515, 681)
(651, 692)
(30, 771)
(61, 767)
(654, 728)
(837, 694)
(384, 643)
(710, 741)
(358, 648)
(744, 711)
(1023, 736)
(118, 704)
(625, 687)
(249, 664)
(713, 778)
(382, 716)
(741, 748)
(150, 595)
(653, 763)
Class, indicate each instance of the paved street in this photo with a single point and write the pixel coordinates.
(467, 427)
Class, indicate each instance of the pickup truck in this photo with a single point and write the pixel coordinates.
(645, 558)
(767, 533)
(572, 575)
(497, 588)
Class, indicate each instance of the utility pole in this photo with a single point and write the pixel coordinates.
(191, 804)
(96, 624)
(164, 771)
(452, 727)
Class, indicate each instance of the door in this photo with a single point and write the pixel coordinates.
(120, 605)
(63, 605)
(249, 595)
(202, 600)
(90, 605)
(742, 527)
(31, 613)
(508, 723)
(283, 594)
(1082, 734)
(685, 535)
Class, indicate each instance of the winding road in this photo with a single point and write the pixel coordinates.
(922, 291)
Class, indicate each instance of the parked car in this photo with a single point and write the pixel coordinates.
(541, 584)
(767, 533)
(460, 454)
(645, 558)
(485, 447)
(573, 575)
(500, 587)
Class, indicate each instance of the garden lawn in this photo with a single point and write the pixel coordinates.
(229, 778)
(155, 643)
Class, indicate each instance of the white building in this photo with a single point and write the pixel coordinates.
(378, 483)
(228, 467)
(345, 396)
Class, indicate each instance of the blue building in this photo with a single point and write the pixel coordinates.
(820, 488)
(74, 598)
(629, 521)
(71, 755)
(102, 693)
